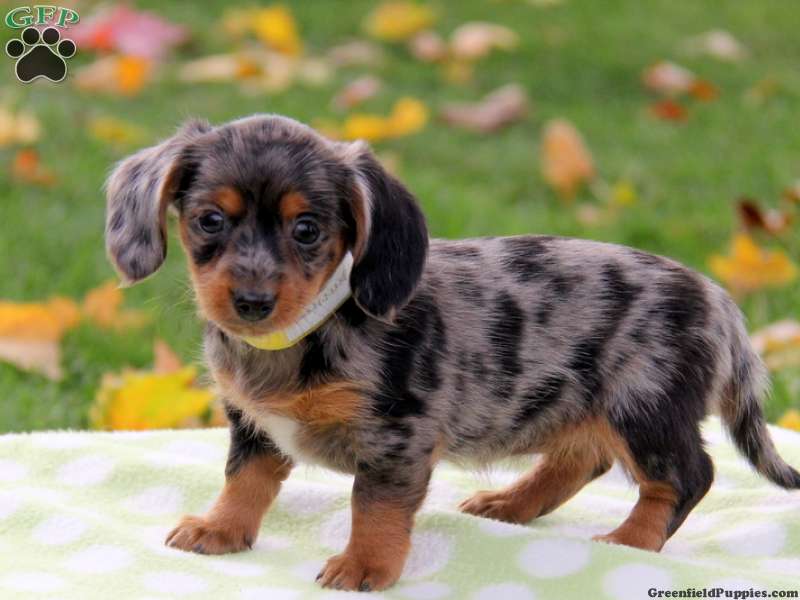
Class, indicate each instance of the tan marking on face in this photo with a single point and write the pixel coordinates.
(292, 205)
(380, 540)
(233, 522)
(230, 201)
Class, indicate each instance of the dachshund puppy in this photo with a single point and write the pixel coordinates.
(339, 334)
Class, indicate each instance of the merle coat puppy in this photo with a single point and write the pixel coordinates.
(422, 350)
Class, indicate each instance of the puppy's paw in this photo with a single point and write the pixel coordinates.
(347, 572)
(635, 539)
(495, 505)
(206, 536)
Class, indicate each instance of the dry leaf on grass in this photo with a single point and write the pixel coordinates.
(669, 110)
(27, 168)
(475, 40)
(114, 131)
(274, 26)
(779, 344)
(428, 47)
(668, 78)
(128, 31)
(356, 53)
(166, 397)
(19, 127)
(357, 91)
(397, 21)
(118, 75)
(718, 43)
(30, 334)
(752, 216)
(103, 307)
(165, 360)
(498, 109)
(790, 420)
(566, 162)
(408, 116)
(749, 268)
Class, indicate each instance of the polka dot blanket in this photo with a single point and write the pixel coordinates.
(84, 515)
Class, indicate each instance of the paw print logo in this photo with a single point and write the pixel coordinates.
(40, 54)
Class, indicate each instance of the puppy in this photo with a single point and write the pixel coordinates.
(339, 334)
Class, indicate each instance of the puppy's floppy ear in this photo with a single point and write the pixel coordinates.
(391, 242)
(138, 193)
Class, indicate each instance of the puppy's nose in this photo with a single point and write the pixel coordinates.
(252, 306)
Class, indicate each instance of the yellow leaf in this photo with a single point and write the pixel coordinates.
(398, 21)
(18, 128)
(408, 116)
(566, 162)
(475, 40)
(790, 420)
(142, 400)
(274, 26)
(38, 320)
(103, 307)
(121, 75)
(115, 131)
(748, 267)
(623, 194)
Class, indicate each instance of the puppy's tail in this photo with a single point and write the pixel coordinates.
(741, 412)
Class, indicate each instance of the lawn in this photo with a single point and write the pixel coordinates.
(579, 60)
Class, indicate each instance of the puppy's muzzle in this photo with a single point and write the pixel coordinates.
(253, 306)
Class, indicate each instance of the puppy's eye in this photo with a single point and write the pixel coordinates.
(305, 231)
(212, 222)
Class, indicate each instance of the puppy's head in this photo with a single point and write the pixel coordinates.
(267, 209)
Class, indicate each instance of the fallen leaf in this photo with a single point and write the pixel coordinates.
(718, 43)
(776, 337)
(668, 78)
(703, 90)
(428, 47)
(408, 116)
(749, 268)
(357, 91)
(120, 75)
(27, 168)
(356, 53)
(19, 127)
(458, 71)
(103, 307)
(500, 108)
(30, 333)
(772, 221)
(138, 400)
(669, 110)
(274, 26)
(398, 21)
(623, 194)
(165, 360)
(116, 132)
(791, 194)
(790, 420)
(128, 31)
(566, 162)
(761, 91)
(475, 40)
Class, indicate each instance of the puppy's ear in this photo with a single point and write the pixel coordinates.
(138, 193)
(391, 241)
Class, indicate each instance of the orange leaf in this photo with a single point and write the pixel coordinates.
(703, 90)
(27, 167)
(103, 307)
(669, 110)
(566, 162)
(748, 267)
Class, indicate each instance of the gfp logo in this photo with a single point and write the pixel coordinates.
(40, 53)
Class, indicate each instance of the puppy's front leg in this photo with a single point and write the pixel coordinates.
(383, 505)
(253, 477)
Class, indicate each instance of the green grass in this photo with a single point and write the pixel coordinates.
(580, 60)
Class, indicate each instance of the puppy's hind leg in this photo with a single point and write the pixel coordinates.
(674, 472)
(571, 462)
(253, 477)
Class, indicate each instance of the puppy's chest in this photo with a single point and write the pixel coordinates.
(312, 425)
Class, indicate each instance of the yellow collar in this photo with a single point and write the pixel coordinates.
(333, 294)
